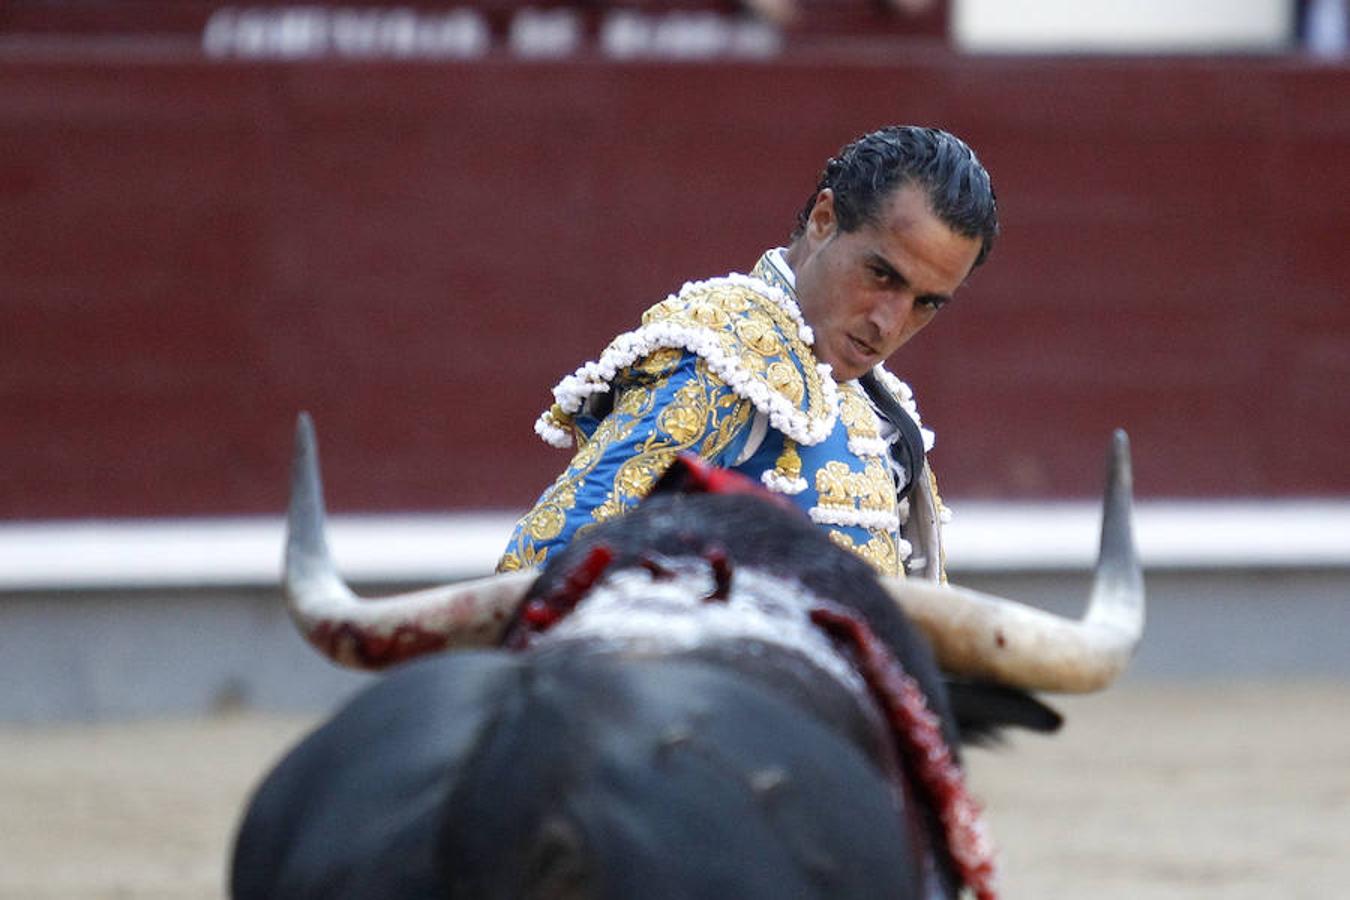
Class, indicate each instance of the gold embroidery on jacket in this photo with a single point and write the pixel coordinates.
(732, 414)
(756, 365)
(548, 517)
(746, 325)
(685, 417)
(709, 315)
(879, 550)
(634, 402)
(789, 462)
(857, 414)
(660, 362)
(756, 331)
(784, 378)
(691, 417)
(839, 487)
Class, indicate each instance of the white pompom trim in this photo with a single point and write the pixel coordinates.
(551, 433)
(865, 446)
(781, 484)
(879, 519)
(905, 395)
(626, 349)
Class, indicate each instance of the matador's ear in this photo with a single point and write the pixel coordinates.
(691, 474)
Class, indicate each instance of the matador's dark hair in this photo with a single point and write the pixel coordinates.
(866, 171)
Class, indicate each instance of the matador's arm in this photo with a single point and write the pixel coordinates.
(664, 404)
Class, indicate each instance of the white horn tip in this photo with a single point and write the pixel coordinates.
(307, 558)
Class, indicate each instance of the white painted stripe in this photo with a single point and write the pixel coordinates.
(1248, 534)
(1113, 26)
(431, 548)
(244, 551)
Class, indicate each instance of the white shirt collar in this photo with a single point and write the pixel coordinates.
(777, 258)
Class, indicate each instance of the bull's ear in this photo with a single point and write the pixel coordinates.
(983, 710)
(691, 474)
(686, 475)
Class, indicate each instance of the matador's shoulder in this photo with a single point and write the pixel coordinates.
(748, 333)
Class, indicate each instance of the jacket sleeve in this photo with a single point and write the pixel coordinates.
(665, 404)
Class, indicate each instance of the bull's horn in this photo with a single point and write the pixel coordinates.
(373, 633)
(1000, 640)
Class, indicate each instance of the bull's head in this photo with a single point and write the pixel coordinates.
(972, 634)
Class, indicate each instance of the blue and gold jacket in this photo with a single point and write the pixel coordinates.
(724, 368)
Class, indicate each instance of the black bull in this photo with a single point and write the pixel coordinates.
(690, 760)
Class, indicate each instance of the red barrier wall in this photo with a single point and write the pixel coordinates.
(190, 252)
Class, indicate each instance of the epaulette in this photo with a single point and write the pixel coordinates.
(749, 334)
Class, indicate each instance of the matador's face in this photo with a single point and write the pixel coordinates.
(868, 291)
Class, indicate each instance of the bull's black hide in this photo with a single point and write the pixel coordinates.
(484, 776)
(580, 770)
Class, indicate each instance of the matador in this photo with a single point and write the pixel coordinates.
(778, 373)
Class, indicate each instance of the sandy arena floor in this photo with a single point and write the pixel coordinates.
(1154, 791)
